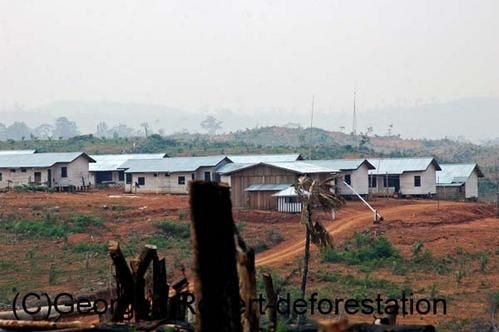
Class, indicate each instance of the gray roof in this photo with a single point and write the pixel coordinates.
(112, 162)
(401, 165)
(342, 164)
(456, 173)
(288, 192)
(268, 187)
(299, 167)
(262, 158)
(171, 165)
(39, 159)
(4, 152)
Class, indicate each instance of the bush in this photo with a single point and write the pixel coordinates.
(175, 229)
(81, 222)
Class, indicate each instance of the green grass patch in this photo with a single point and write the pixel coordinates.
(84, 247)
(52, 227)
(175, 229)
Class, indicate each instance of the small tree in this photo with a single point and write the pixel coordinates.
(315, 194)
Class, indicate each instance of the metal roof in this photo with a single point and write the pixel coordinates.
(112, 162)
(262, 158)
(299, 167)
(39, 159)
(342, 164)
(288, 192)
(9, 152)
(268, 187)
(456, 173)
(171, 165)
(401, 165)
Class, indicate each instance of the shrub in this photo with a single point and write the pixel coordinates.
(175, 229)
(81, 222)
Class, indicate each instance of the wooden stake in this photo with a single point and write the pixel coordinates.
(215, 272)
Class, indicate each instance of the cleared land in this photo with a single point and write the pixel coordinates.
(56, 242)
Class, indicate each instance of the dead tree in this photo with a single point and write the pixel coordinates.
(215, 271)
(271, 300)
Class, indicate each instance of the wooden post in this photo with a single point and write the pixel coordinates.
(160, 292)
(124, 281)
(247, 275)
(215, 271)
(271, 300)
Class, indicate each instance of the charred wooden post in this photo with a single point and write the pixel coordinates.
(215, 271)
(124, 282)
(247, 275)
(271, 300)
(160, 290)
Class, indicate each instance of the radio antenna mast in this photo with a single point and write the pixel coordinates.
(354, 122)
(311, 128)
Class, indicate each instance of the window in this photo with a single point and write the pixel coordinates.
(12, 170)
(155, 175)
(372, 181)
(23, 170)
(181, 180)
(207, 176)
(348, 179)
(193, 176)
(64, 172)
(291, 199)
(1, 177)
(121, 176)
(167, 175)
(141, 181)
(417, 181)
(128, 178)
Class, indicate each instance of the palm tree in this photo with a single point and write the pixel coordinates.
(315, 194)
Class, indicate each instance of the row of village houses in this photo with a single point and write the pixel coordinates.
(256, 181)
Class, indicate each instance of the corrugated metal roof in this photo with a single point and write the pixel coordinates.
(263, 158)
(288, 192)
(232, 167)
(9, 152)
(456, 173)
(267, 187)
(171, 165)
(112, 162)
(39, 159)
(401, 165)
(303, 167)
(342, 164)
(299, 167)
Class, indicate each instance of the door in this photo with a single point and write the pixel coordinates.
(38, 177)
(49, 178)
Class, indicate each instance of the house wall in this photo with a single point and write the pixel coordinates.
(261, 174)
(11, 179)
(78, 173)
(161, 183)
(359, 181)
(380, 189)
(262, 200)
(428, 182)
(283, 206)
(115, 178)
(471, 186)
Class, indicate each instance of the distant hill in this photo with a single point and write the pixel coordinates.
(474, 119)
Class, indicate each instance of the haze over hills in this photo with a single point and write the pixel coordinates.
(473, 119)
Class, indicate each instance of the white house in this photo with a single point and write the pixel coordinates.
(54, 170)
(403, 176)
(170, 175)
(458, 181)
(107, 167)
(354, 172)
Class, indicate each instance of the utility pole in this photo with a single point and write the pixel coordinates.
(311, 128)
(497, 189)
(354, 121)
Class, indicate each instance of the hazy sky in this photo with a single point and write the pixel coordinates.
(248, 55)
